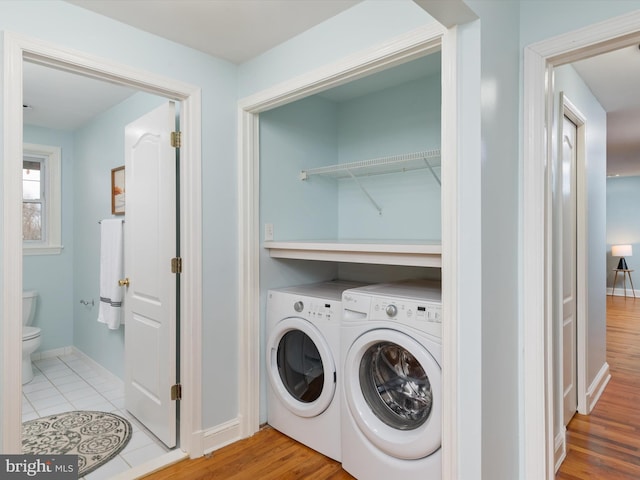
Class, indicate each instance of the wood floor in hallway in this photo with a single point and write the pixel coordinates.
(606, 444)
(268, 455)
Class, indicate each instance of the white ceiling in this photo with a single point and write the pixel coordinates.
(64, 101)
(238, 30)
(614, 78)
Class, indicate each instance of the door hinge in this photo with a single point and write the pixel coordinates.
(176, 392)
(176, 139)
(176, 265)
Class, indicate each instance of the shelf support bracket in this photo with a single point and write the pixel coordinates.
(373, 202)
(426, 160)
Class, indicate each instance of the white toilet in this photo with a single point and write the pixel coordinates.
(31, 339)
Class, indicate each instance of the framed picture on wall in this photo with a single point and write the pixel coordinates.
(117, 191)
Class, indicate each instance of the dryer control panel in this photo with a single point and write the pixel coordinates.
(317, 309)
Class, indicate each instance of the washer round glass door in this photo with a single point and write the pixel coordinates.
(300, 367)
(392, 385)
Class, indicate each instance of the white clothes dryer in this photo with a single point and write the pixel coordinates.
(303, 354)
(392, 390)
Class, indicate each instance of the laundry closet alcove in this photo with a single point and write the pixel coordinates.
(352, 174)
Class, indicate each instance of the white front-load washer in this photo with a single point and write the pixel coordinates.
(303, 354)
(392, 390)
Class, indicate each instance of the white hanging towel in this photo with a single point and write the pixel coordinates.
(111, 268)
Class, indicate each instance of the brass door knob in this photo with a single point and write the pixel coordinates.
(124, 283)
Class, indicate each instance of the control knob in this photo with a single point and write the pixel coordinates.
(298, 306)
(391, 310)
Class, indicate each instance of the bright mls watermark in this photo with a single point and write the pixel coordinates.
(51, 467)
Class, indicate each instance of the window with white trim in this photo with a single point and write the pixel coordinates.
(41, 200)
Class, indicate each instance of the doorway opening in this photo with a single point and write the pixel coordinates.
(19, 49)
(540, 60)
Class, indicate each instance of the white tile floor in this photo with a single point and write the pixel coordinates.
(68, 382)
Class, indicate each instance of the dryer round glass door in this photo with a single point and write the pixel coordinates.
(393, 390)
(300, 367)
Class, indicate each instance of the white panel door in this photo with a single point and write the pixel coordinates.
(150, 299)
(569, 272)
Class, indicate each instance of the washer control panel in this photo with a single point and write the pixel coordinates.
(391, 310)
(416, 304)
(405, 310)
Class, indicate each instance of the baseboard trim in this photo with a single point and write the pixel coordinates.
(204, 442)
(620, 292)
(221, 435)
(597, 386)
(560, 448)
(102, 370)
(54, 352)
(140, 471)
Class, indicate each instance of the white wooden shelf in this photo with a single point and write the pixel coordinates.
(411, 253)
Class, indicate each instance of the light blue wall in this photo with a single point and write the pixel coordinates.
(500, 238)
(316, 132)
(400, 119)
(569, 82)
(295, 137)
(623, 223)
(99, 147)
(69, 26)
(52, 275)
(397, 120)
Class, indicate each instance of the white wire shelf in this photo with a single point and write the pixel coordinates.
(377, 166)
(429, 159)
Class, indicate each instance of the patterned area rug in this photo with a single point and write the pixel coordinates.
(96, 437)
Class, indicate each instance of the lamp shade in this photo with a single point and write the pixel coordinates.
(621, 251)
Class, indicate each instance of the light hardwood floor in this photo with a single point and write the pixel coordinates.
(606, 444)
(603, 445)
(268, 455)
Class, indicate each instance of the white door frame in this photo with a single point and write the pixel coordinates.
(568, 109)
(16, 49)
(399, 50)
(539, 59)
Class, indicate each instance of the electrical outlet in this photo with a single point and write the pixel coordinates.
(268, 232)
